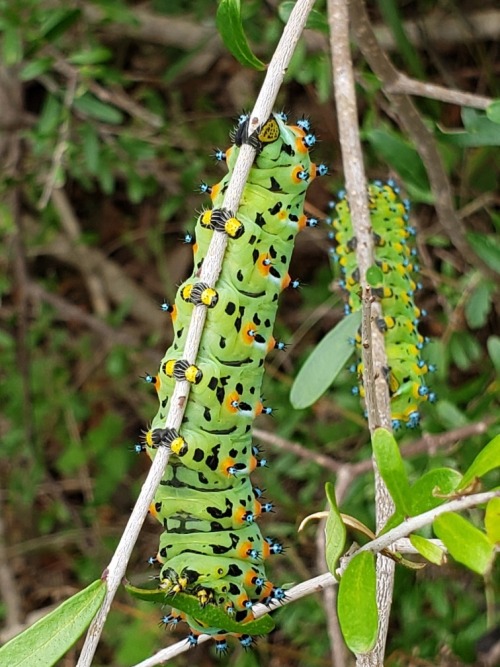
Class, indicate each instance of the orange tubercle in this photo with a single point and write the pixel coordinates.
(243, 550)
(249, 326)
(233, 397)
(295, 171)
(302, 222)
(226, 464)
(264, 264)
(215, 191)
(300, 146)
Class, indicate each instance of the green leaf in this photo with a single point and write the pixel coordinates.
(479, 131)
(425, 493)
(478, 304)
(12, 45)
(449, 414)
(487, 459)
(34, 69)
(466, 543)
(374, 276)
(464, 349)
(91, 106)
(493, 345)
(58, 22)
(315, 21)
(493, 111)
(334, 530)
(213, 616)
(492, 520)
(324, 363)
(392, 17)
(43, 643)
(404, 159)
(230, 27)
(487, 247)
(94, 56)
(357, 604)
(428, 550)
(391, 468)
(91, 148)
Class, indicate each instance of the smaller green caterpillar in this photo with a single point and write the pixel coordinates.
(396, 258)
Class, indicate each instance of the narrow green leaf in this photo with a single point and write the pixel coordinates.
(12, 45)
(49, 638)
(334, 530)
(325, 362)
(478, 305)
(35, 68)
(392, 17)
(466, 543)
(487, 459)
(493, 345)
(403, 158)
(58, 22)
(480, 130)
(487, 247)
(213, 616)
(449, 414)
(95, 56)
(492, 520)
(391, 468)
(91, 147)
(428, 550)
(425, 493)
(230, 27)
(493, 111)
(357, 603)
(91, 106)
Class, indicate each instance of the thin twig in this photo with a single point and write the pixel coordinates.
(210, 272)
(414, 523)
(295, 448)
(62, 144)
(408, 86)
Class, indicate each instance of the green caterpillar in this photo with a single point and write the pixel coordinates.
(396, 257)
(212, 547)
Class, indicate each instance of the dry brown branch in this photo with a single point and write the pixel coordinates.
(407, 86)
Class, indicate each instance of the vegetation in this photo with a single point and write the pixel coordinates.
(109, 114)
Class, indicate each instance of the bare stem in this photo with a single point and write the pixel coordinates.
(373, 351)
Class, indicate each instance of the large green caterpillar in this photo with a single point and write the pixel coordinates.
(212, 547)
(395, 255)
